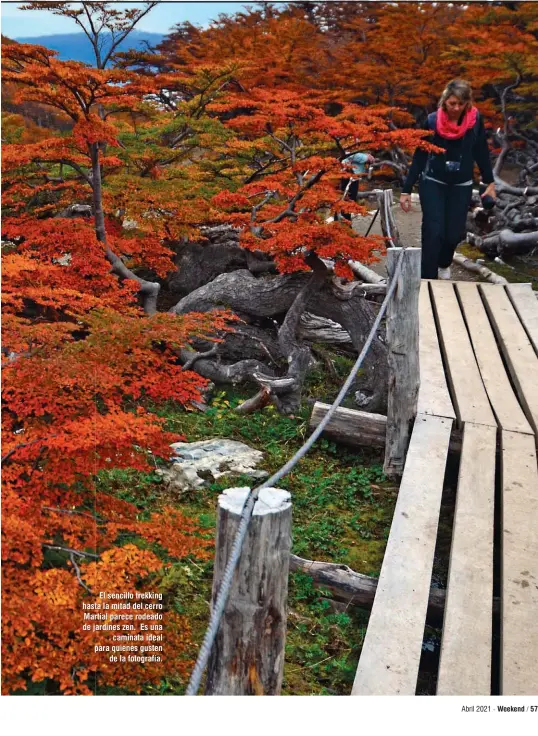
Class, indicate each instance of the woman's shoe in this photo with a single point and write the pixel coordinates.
(444, 273)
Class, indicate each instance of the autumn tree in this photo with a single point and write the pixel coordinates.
(104, 25)
(498, 49)
(286, 174)
(83, 369)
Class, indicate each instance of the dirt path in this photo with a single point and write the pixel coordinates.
(409, 225)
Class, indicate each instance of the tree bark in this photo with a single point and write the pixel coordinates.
(298, 354)
(272, 297)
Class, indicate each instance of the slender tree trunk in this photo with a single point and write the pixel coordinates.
(148, 289)
(97, 191)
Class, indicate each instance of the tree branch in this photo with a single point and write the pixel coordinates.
(70, 551)
(77, 572)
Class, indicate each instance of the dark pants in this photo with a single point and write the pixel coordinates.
(353, 188)
(351, 192)
(444, 216)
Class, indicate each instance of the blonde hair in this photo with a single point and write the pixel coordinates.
(460, 89)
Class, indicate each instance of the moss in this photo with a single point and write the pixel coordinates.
(522, 272)
(470, 251)
(342, 510)
(514, 277)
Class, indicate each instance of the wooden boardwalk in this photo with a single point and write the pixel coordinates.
(478, 372)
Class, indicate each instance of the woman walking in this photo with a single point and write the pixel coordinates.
(446, 179)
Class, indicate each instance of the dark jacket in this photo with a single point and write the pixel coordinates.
(472, 147)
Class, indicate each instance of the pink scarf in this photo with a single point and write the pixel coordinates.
(447, 129)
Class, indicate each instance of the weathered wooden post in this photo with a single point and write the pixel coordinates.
(248, 654)
(402, 342)
(385, 201)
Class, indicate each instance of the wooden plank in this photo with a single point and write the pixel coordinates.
(465, 665)
(519, 612)
(392, 647)
(403, 365)
(499, 390)
(468, 392)
(433, 394)
(526, 305)
(518, 352)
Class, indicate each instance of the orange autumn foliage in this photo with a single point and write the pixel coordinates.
(82, 367)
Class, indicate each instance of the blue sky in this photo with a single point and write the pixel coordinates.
(20, 23)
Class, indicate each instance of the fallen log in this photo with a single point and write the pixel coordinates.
(372, 289)
(477, 268)
(503, 187)
(505, 241)
(360, 428)
(357, 428)
(347, 586)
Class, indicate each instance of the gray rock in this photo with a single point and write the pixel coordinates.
(197, 464)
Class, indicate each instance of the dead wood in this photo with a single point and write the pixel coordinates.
(347, 586)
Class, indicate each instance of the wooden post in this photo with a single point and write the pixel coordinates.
(385, 201)
(402, 342)
(248, 654)
(391, 222)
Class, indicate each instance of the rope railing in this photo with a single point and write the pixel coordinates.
(248, 508)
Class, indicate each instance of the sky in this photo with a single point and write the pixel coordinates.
(20, 23)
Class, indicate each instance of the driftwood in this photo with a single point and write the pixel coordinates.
(366, 274)
(505, 242)
(477, 268)
(511, 227)
(354, 589)
(361, 428)
(269, 298)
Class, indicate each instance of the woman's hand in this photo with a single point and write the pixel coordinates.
(490, 191)
(405, 202)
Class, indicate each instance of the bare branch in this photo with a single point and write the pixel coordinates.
(6, 457)
(77, 572)
(70, 551)
(198, 356)
(74, 512)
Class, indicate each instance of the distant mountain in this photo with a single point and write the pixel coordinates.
(76, 47)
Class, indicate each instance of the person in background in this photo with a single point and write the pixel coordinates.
(446, 179)
(358, 162)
